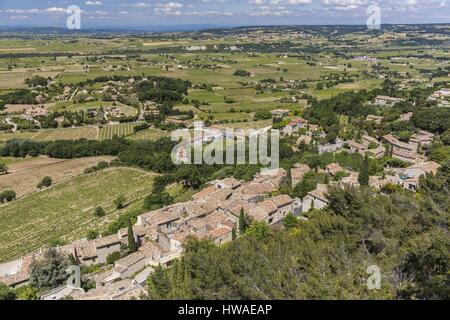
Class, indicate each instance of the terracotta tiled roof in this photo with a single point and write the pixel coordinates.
(130, 260)
(107, 241)
(282, 200)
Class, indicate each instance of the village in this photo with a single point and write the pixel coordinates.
(214, 213)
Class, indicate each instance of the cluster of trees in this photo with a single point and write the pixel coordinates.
(327, 256)
(99, 166)
(65, 149)
(20, 96)
(36, 80)
(241, 73)
(161, 89)
(434, 119)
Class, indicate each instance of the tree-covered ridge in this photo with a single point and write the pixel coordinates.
(326, 257)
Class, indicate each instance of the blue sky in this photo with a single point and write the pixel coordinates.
(141, 13)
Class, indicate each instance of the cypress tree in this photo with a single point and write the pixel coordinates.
(242, 222)
(132, 246)
(363, 177)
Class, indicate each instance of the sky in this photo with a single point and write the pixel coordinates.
(147, 13)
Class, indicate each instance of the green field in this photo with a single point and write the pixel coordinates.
(65, 211)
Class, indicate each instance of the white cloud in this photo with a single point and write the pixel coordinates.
(299, 1)
(141, 5)
(55, 10)
(93, 3)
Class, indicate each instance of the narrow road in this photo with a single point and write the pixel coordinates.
(9, 121)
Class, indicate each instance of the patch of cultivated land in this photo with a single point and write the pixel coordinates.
(17, 135)
(149, 134)
(90, 133)
(23, 177)
(65, 211)
(120, 130)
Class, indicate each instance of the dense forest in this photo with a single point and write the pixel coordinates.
(327, 256)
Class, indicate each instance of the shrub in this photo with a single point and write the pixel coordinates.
(7, 196)
(113, 257)
(99, 212)
(45, 182)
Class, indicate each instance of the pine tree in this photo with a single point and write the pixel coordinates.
(242, 222)
(363, 177)
(233, 233)
(132, 246)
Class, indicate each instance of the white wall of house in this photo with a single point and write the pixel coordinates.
(224, 238)
(175, 245)
(10, 268)
(283, 211)
(310, 202)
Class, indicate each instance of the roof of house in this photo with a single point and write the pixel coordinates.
(235, 207)
(357, 145)
(299, 171)
(407, 154)
(428, 167)
(334, 168)
(222, 194)
(370, 139)
(231, 182)
(106, 241)
(319, 192)
(387, 98)
(281, 200)
(129, 260)
(205, 192)
(161, 216)
(262, 210)
(149, 249)
(394, 141)
(374, 117)
(87, 250)
(255, 188)
(216, 233)
(305, 139)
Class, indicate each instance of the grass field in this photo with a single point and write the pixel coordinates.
(90, 133)
(24, 176)
(65, 211)
(17, 135)
(120, 130)
(8, 161)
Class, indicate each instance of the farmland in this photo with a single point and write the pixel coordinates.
(90, 133)
(65, 212)
(23, 177)
(148, 134)
(120, 130)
